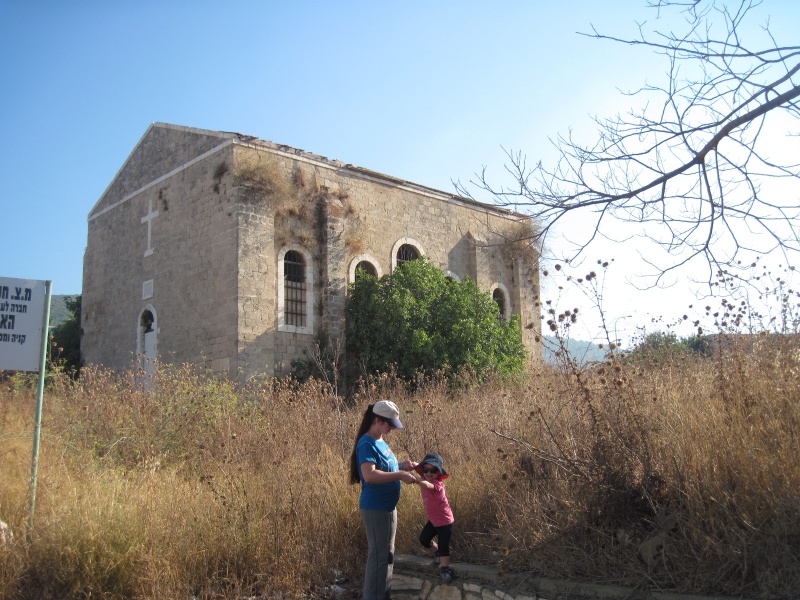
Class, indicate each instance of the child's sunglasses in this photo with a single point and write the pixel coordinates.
(432, 470)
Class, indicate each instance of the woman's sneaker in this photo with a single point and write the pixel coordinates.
(435, 562)
(447, 574)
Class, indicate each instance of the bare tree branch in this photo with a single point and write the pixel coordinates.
(694, 167)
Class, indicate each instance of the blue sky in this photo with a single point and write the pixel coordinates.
(425, 91)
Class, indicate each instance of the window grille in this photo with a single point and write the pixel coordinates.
(294, 289)
(405, 253)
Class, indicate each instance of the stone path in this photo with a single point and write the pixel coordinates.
(415, 579)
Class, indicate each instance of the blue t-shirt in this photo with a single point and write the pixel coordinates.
(377, 496)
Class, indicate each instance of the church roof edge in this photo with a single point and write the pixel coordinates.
(284, 148)
(245, 139)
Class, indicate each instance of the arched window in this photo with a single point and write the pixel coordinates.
(501, 296)
(146, 321)
(497, 296)
(405, 253)
(452, 276)
(366, 268)
(294, 289)
(146, 332)
(363, 263)
(147, 343)
(405, 249)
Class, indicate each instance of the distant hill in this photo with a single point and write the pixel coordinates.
(58, 308)
(583, 352)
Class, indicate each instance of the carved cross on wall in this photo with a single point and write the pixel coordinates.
(148, 218)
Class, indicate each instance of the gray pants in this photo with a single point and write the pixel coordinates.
(381, 527)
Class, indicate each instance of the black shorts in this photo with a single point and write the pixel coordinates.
(443, 533)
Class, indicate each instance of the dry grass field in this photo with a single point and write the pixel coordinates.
(201, 488)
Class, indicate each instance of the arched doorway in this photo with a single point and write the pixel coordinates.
(147, 342)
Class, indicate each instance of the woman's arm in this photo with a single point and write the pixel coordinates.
(372, 475)
(407, 465)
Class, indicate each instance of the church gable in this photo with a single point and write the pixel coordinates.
(162, 149)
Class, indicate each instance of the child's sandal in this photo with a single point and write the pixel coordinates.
(447, 574)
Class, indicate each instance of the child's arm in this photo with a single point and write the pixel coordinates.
(372, 475)
(425, 484)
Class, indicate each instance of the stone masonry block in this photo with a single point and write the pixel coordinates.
(445, 592)
(406, 582)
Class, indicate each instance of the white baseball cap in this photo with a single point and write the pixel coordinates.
(389, 411)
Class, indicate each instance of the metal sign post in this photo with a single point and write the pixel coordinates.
(37, 421)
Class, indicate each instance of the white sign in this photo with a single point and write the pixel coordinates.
(21, 319)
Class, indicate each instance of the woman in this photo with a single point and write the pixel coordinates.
(374, 465)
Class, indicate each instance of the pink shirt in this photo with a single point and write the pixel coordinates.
(436, 505)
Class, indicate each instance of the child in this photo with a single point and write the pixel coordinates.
(440, 517)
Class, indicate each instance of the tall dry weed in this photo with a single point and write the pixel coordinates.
(198, 487)
(607, 454)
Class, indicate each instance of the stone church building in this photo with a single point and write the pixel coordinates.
(233, 252)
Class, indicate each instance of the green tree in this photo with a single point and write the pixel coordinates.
(417, 320)
(699, 344)
(66, 338)
(660, 346)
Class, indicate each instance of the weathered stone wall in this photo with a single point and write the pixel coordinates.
(156, 155)
(340, 214)
(216, 239)
(112, 288)
(192, 265)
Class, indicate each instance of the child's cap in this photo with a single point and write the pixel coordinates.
(434, 460)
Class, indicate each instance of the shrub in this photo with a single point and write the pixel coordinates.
(416, 320)
(65, 340)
